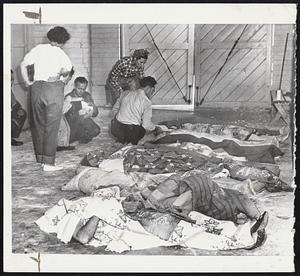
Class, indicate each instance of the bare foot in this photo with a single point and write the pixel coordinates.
(86, 232)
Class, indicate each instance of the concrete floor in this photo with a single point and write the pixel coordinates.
(34, 191)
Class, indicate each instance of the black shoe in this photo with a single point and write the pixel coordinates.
(16, 143)
(61, 148)
(259, 228)
(261, 239)
(261, 223)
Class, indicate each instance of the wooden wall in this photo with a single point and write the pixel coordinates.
(278, 43)
(19, 47)
(94, 49)
(176, 44)
(105, 51)
(252, 70)
(243, 79)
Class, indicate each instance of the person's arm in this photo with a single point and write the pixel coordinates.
(13, 99)
(147, 117)
(29, 61)
(24, 72)
(142, 74)
(116, 106)
(67, 75)
(67, 70)
(114, 76)
(92, 103)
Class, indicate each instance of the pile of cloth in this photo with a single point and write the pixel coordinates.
(164, 159)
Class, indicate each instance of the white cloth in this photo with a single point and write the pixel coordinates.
(92, 179)
(134, 108)
(119, 233)
(110, 165)
(48, 61)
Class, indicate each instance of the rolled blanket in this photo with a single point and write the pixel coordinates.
(256, 153)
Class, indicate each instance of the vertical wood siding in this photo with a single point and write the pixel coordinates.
(105, 47)
(277, 51)
(243, 80)
(174, 42)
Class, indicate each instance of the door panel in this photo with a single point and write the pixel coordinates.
(176, 43)
(243, 80)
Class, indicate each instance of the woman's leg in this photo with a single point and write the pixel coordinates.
(37, 120)
(54, 105)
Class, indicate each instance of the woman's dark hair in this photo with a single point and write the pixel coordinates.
(59, 35)
(81, 80)
(148, 81)
(140, 53)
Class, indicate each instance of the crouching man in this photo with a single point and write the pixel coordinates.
(133, 112)
(77, 123)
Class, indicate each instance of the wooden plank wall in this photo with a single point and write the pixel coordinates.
(243, 80)
(174, 41)
(278, 42)
(18, 50)
(105, 51)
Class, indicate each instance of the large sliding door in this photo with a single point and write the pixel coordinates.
(244, 79)
(176, 43)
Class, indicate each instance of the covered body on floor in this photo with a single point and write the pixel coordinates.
(164, 192)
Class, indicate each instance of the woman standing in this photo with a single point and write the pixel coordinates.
(51, 69)
(125, 75)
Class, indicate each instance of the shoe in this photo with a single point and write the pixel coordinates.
(260, 240)
(62, 148)
(261, 223)
(16, 143)
(259, 229)
(51, 168)
(284, 138)
(284, 134)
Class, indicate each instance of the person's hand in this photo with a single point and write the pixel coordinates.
(87, 115)
(81, 112)
(157, 131)
(28, 83)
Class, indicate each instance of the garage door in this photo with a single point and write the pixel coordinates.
(176, 43)
(244, 78)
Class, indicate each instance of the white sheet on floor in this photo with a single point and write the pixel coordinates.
(112, 164)
(119, 233)
(91, 179)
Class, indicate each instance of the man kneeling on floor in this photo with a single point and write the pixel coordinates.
(77, 124)
(133, 112)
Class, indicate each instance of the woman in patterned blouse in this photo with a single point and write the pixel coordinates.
(125, 75)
